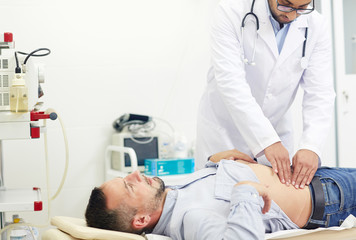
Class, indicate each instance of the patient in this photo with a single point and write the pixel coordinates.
(226, 200)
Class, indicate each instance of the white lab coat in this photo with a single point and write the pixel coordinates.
(246, 107)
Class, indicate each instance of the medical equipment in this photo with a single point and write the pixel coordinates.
(303, 61)
(148, 146)
(20, 90)
(134, 131)
(141, 133)
(147, 139)
(130, 119)
(20, 232)
(19, 93)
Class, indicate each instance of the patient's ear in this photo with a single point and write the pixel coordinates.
(141, 221)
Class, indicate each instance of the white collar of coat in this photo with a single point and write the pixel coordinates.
(295, 36)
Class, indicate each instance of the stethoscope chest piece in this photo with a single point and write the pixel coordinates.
(304, 62)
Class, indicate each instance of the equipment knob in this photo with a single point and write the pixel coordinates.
(53, 116)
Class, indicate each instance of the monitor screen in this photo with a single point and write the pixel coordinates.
(143, 150)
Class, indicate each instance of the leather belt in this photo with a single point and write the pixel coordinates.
(319, 203)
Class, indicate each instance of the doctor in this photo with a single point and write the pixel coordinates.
(255, 74)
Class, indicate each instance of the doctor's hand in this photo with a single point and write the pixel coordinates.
(231, 155)
(278, 156)
(305, 164)
(263, 191)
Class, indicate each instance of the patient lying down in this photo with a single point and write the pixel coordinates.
(226, 200)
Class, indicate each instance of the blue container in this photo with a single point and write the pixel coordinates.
(164, 167)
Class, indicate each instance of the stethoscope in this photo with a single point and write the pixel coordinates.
(303, 60)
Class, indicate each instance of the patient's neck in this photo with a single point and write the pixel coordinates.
(156, 215)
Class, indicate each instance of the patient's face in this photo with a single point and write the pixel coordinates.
(135, 190)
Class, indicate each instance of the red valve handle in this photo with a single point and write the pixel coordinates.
(35, 116)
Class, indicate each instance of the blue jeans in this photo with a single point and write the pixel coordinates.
(339, 185)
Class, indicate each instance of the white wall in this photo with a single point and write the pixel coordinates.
(350, 36)
(108, 57)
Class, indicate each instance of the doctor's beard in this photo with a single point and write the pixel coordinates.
(282, 18)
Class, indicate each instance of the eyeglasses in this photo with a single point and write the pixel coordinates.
(283, 8)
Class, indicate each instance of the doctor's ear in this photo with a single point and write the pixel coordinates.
(140, 221)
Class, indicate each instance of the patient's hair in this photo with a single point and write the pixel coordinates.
(99, 216)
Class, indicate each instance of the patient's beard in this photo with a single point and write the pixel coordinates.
(157, 199)
(161, 188)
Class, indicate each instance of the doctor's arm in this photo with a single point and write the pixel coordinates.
(318, 106)
(243, 222)
(235, 91)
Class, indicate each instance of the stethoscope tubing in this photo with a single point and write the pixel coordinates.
(305, 41)
(252, 61)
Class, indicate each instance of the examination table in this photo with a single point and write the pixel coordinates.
(69, 228)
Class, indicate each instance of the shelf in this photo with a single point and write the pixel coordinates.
(18, 200)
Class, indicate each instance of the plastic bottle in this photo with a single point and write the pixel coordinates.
(180, 147)
(22, 232)
(165, 147)
(18, 94)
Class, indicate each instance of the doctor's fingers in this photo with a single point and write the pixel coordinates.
(287, 171)
(301, 178)
(284, 168)
(308, 177)
(296, 170)
(311, 175)
(273, 164)
(280, 171)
